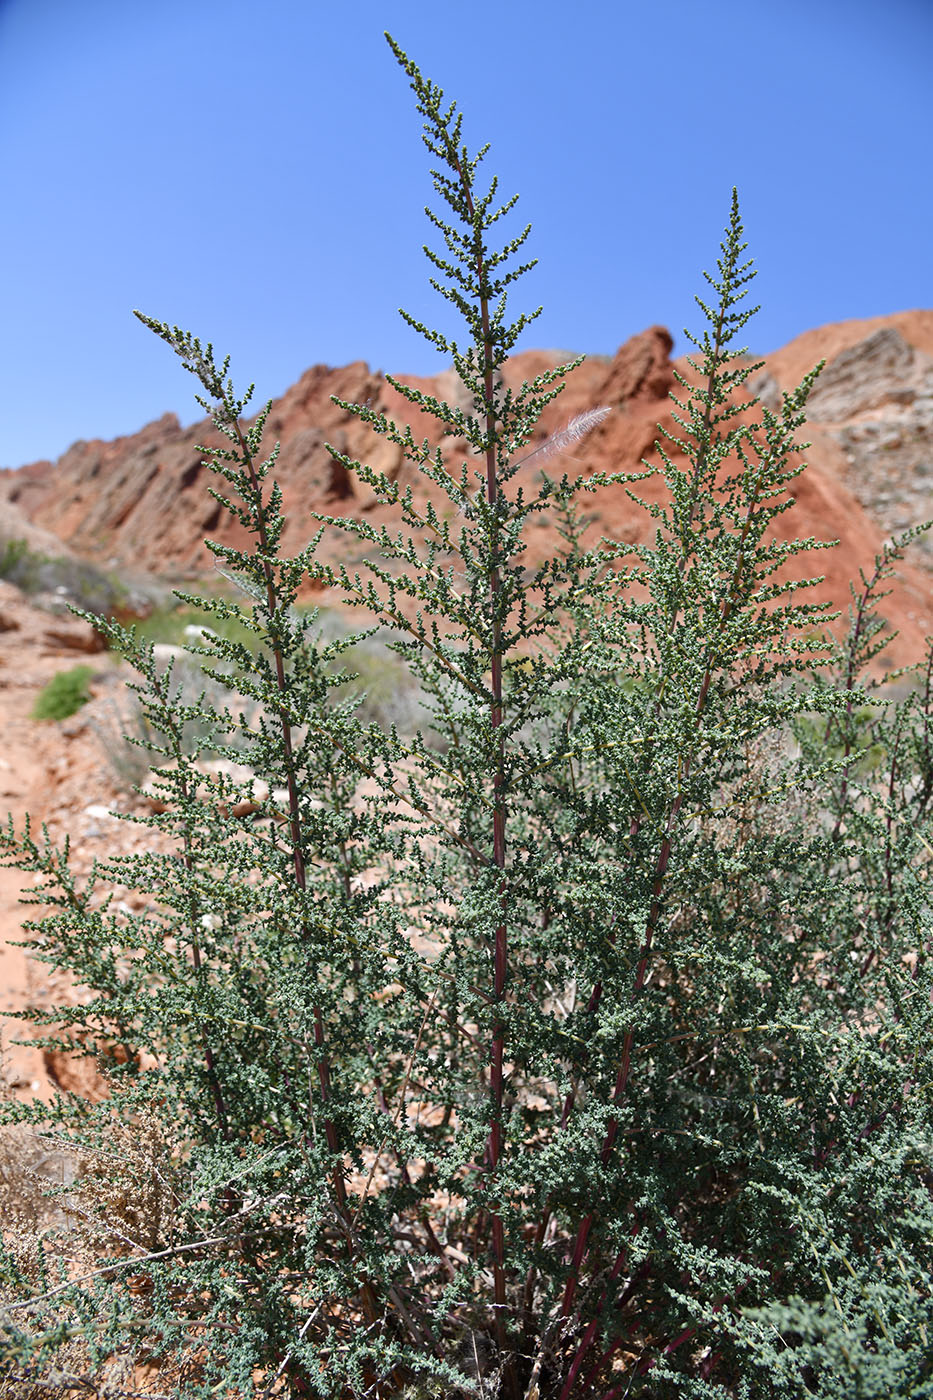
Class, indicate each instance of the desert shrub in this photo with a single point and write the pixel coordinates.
(64, 694)
(19, 564)
(124, 737)
(125, 731)
(577, 1045)
(70, 581)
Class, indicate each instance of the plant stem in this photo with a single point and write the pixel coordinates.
(298, 861)
(660, 872)
(220, 1108)
(294, 809)
(495, 1144)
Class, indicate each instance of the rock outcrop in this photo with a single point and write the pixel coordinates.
(874, 400)
(142, 500)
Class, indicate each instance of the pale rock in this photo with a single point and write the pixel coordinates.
(198, 634)
(877, 371)
(166, 654)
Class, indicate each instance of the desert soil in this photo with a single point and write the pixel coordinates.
(54, 771)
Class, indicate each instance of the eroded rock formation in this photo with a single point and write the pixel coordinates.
(142, 500)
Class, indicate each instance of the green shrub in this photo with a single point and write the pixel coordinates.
(64, 694)
(72, 582)
(20, 565)
(578, 1045)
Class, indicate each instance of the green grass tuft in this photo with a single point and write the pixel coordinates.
(64, 694)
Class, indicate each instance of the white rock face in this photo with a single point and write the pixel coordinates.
(164, 653)
(876, 401)
(198, 634)
(879, 371)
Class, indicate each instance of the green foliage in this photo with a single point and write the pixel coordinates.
(575, 1045)
(17, 560)
(384, 685)
(74, 581)
(64, 694)
(176, 625)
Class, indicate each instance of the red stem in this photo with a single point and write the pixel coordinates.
(495, 1142)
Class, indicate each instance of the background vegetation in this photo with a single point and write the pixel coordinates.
(65, 693)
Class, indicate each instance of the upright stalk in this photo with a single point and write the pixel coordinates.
(495, 1143)
(294, 811)
(213, 1078)
(657, 887)
(367, 1293)
(220, 1107)
(852, 666)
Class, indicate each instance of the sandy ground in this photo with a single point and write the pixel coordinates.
(25, 748)
(52, 771)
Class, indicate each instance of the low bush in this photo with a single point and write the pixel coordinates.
(578, 1044)
(19, 564)
(64, 694)
(71, 581)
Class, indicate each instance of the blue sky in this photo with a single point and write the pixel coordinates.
(254, 173)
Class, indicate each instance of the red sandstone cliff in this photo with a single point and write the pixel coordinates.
(142, 500)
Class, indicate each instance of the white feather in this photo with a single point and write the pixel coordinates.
(574, 432)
